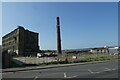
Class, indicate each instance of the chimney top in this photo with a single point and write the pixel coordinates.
(58, 23)
(57, 17)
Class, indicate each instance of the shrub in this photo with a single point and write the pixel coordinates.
(63, 62)
(54, 62)
(76, 61)
(86, 60)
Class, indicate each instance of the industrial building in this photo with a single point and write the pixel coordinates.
(21, 42)
(99, 50)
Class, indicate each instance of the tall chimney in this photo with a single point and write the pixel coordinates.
(58, 37)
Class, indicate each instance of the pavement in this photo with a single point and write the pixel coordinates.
(106, 69)
(47, 66)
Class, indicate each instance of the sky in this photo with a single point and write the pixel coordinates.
(59, 0)
(83, 24)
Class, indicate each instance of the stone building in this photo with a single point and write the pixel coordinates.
(6, 59)
(21, 42)
(99, 50)
(0, 56)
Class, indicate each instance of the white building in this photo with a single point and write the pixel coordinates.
(113, 50)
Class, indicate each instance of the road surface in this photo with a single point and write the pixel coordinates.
(107, 69)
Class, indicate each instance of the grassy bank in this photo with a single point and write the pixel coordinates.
(67, 59)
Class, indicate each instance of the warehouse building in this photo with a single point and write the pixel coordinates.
(21, 42)
(99, 50)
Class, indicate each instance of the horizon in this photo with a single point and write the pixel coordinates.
(62, 49)
(83, 19)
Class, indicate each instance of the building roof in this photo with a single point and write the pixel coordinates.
(18, 27)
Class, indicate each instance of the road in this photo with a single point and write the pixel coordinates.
(107, 69)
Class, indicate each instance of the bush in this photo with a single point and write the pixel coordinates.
(63, 62)
(76, 61)
(54, 62)
(86, 60)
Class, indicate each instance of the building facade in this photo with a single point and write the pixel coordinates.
(113, 50)
(6, 60)
(21, 41)
(99, 50)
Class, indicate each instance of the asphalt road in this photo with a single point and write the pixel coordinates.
(95, 70)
